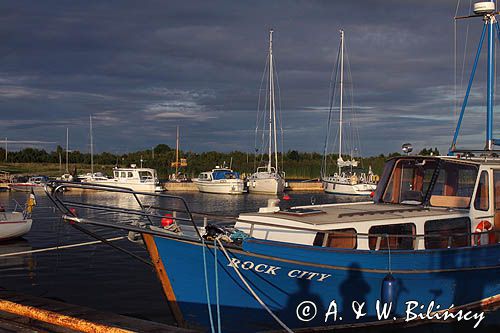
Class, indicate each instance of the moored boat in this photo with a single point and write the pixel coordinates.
(33, 183)
(344, 182)
(220, 180)
(14, 224)
(269, 179)
(136, 179)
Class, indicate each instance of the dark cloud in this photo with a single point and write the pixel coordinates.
(141, 68)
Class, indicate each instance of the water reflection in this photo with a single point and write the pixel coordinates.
(97, 275)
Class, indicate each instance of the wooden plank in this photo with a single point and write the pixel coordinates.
(165, 281)
(75, 312)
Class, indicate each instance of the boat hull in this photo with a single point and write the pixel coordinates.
(26, 187)
(284, 276)
(347, 189)
(13, 225)
(138, 187)
(229, 186)
(270, 185)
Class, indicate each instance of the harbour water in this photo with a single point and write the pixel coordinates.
(99, 276)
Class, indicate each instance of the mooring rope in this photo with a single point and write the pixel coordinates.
(60, 247)
(257, 298)
(217, 301)
(209, 304)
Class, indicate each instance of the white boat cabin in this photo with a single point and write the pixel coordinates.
(139, 175)
(218, 174)
(420, 203)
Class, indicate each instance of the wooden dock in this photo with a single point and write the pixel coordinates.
(24, 313)
(292, 186)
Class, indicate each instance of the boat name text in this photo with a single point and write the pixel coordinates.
(275, 270)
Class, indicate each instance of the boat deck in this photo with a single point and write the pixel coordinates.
(350, 213)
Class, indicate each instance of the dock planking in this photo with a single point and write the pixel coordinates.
(11, 322)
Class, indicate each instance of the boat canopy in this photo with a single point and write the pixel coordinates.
(225, 174)
(419, 180)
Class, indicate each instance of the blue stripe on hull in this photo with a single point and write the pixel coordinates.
(444, 276)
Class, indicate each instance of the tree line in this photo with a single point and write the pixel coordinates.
(304, 165)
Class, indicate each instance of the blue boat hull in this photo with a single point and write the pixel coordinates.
(286, 275)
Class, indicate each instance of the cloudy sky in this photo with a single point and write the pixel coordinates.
(143, 67)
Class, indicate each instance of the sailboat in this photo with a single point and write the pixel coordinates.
(178, 176)
(342, 182)
(67, 176)
(268, 179)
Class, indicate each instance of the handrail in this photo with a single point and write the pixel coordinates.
(55, 190)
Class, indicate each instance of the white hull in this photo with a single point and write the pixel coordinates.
(13, 225)
(139, 187)
(348, 189)
(269, 185)
(25, 187)
(223, 186)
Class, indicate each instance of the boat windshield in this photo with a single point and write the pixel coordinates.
(413, 180)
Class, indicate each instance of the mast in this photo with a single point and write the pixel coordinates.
(67, 148)
(91, 149)
(490, 21)
(341, 97)
(487, 11)
(177, 152)
(269, 164)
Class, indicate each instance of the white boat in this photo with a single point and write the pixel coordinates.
(342, 182)
(220, 181)
(16, 223)
(268, 179)
(33, 183)
(137, 179)
(13, 225)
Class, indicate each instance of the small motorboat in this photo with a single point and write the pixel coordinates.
(14, 223)
(33, 183)
(220, 181)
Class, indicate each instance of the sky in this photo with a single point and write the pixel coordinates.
(141, 68)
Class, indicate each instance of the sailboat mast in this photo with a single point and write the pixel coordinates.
(269, 164)
(67, 149)
(341, 94)
(177, 153)
(274, 116)
(91, 149)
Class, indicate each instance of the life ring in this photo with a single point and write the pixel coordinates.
(484, 235)
(167, 220)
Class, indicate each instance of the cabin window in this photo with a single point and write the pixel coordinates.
(117, 174)
(130, 174)
(454, 185)
(318, 240)
(342, 239)
(496, 186)
(392, 236)
(446, 233)
(481, 202)
(123, 174)
(409, 181)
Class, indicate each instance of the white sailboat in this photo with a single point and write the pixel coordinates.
(268, 179)
(344, 182)
(67, 176)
